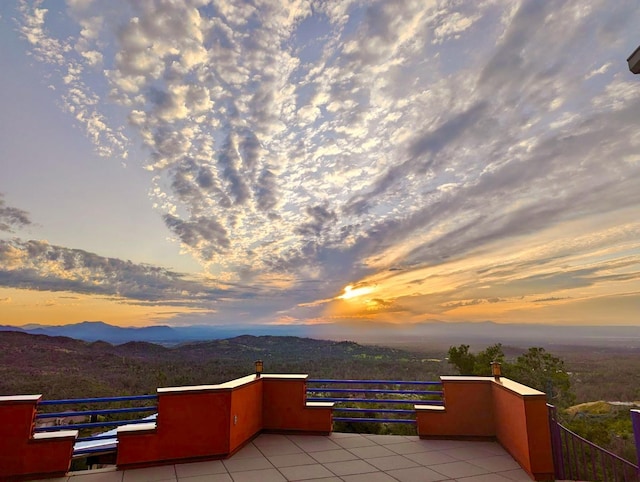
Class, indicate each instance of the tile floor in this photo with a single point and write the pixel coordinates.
(337, 457)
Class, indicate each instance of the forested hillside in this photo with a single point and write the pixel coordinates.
(60, 367)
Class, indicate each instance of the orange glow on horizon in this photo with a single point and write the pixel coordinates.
(20, 307)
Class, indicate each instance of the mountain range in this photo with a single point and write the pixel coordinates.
(163, 334)
(434, 333)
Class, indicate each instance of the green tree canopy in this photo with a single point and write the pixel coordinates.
(535, 368)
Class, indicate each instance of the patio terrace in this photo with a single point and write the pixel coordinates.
(337, 457)
(263, 428)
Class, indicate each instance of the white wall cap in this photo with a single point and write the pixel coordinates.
(20, 398)
(137, 427)
(60, 434)
(319, 404)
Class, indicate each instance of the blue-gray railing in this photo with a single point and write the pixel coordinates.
(392, 396)
(574, 457)
(79, 449)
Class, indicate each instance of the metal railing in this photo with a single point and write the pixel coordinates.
(357, 395)
(576, 458)
(108, 440)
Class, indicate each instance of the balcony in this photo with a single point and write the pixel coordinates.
(265, 428)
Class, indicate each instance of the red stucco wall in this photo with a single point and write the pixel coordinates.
(20, 454)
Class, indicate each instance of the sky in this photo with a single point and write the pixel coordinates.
(319, 162)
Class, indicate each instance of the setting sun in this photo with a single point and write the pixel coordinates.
(351, 292)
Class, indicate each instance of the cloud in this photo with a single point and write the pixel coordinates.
(71, 62)
(38, 265)
(206, 235)
(12, 218)
(330, 143)
(547, 300)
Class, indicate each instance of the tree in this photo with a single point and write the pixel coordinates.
(541, 370)
(475, 365)
(462, 359)
(535, 368)
(485, 357)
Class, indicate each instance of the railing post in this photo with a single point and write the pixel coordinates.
(635, 421)
(556, 442)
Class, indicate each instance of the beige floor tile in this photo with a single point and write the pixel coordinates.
(344, 435)
(371, 452)
(350, 467)
(468, 453)
(333, 456)
(305, 437)
(408, 448)
(416, 474)
(207, 478)
(241, 465)
(387, 439)
(452, 444)
(284, 447)
(316, 445)
(150, 474)
(496, 463)
(273, 441)
(459, 469)
(291, 460)
(354, 442)
(200, 468)
(443, 444)
(518, 475)
(269, 475)
(247, 452)
(97, 476)
(392, 462)
(493, 447)
(484, 478)
(374, 477)
(430, 458)
(328, 479)
(305, 472)
(268, 438)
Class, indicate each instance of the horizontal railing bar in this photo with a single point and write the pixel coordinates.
(374, 400)
(373, 390)
(377, 382)
(96, 437)
(96, 412)
(378, 420)
(92, 450)
(374, 410)
(78, 426)
(98, 400)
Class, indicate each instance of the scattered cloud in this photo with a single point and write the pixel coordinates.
(12, 218)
